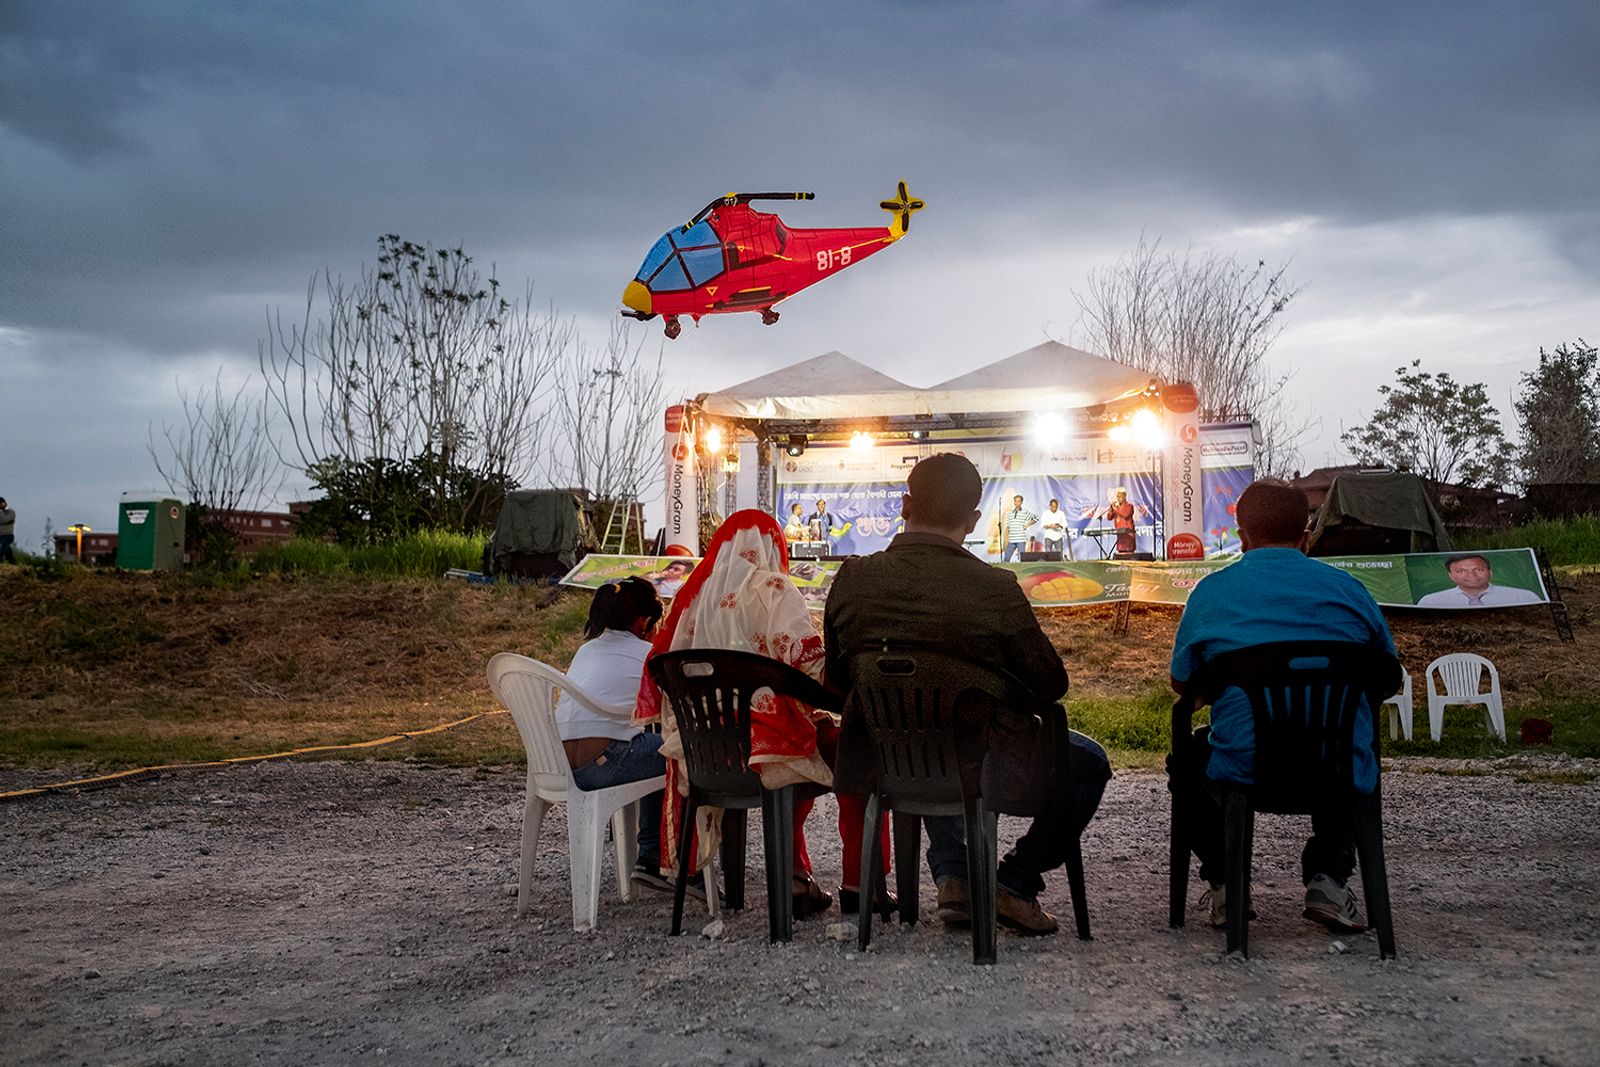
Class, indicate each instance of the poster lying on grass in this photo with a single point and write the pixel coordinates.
(1502, 577)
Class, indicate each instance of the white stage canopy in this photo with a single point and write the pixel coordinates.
(1048, 377)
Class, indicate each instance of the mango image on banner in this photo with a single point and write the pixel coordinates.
(1057, 587)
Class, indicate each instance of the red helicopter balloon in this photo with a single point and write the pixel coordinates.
(731, 257)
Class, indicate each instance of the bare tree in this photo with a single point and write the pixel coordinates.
(608, 409)
(423, 362)
(221, 458)
(1206, 319)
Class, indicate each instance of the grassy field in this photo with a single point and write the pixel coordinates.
(112, 670)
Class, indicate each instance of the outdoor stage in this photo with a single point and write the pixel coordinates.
(1049, 423)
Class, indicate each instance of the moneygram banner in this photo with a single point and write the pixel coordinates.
(1505, 577)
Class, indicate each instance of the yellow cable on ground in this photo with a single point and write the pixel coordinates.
(103, 778)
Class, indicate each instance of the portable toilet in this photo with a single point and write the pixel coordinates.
(150, 533)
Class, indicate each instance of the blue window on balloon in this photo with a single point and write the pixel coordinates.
(703, 263)
(658, 254)
(670, 277)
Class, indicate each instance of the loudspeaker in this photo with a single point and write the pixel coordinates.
(1040, 557)
(1137, 557)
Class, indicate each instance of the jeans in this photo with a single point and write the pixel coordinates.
(6, 541)
(631, 761)
(1331, 849)
(1039, 850)
(1013, 548)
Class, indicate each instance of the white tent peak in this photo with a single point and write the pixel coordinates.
(1047, 377)
(831, 385)
(1058, 376)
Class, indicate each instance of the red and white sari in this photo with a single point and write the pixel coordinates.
(741, 598)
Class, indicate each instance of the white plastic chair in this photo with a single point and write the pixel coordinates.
(1460, 676)
(1400, 708)
(528, 688)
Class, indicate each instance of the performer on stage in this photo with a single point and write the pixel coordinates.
(795, 529)
(1053, 525)
(1017, 521)
(1120, 513)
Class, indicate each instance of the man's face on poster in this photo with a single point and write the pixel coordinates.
(1471, 575)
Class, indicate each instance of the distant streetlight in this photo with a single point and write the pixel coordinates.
(80, 529)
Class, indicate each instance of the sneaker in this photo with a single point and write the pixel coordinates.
(1023, 914)
(647, 873)
(1216, 897)
(1333, 905)
(955, 903)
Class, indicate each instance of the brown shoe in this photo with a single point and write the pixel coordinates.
(955, 904)
(809, 897)
(1023, 914)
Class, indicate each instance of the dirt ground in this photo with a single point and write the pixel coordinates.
(333, 912)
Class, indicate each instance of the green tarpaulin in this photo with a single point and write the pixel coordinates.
(540, 531)
(1384, 512)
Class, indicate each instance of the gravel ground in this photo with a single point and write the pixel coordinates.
(330, 912)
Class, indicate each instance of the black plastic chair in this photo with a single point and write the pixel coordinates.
(1304, 696)
(908, 704)
(711, 692)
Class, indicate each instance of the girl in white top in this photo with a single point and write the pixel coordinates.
(602, 744)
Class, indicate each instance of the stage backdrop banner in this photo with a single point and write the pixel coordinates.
(1430, 580)
(683, 525)
(1227, 466)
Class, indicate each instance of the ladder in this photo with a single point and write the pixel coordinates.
(618, 524)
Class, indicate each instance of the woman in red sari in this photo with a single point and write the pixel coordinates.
(740, 597)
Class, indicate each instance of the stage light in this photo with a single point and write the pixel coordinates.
(713, 440)
(917, 435)
(1120, 433)
(796, 445)
(1049, 428)
(1147, 430)
(860, 441)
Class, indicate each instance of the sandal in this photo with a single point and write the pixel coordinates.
(809, 897)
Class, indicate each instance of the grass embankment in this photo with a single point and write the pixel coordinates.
(424, 554)
(108, 669)
(1569, 543)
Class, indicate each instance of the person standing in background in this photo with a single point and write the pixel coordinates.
(823, 522)
(1120, 513)
(1053, 531)
(8, 532)
(1017, 521)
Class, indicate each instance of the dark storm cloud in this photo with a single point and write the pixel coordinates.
(168, 170)
(174, 150)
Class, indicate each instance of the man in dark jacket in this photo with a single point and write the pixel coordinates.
(927, 591)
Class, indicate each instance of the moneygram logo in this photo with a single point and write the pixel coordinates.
(680, 451)
(1189, 432)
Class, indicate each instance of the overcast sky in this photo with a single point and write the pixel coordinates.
(168, 171)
